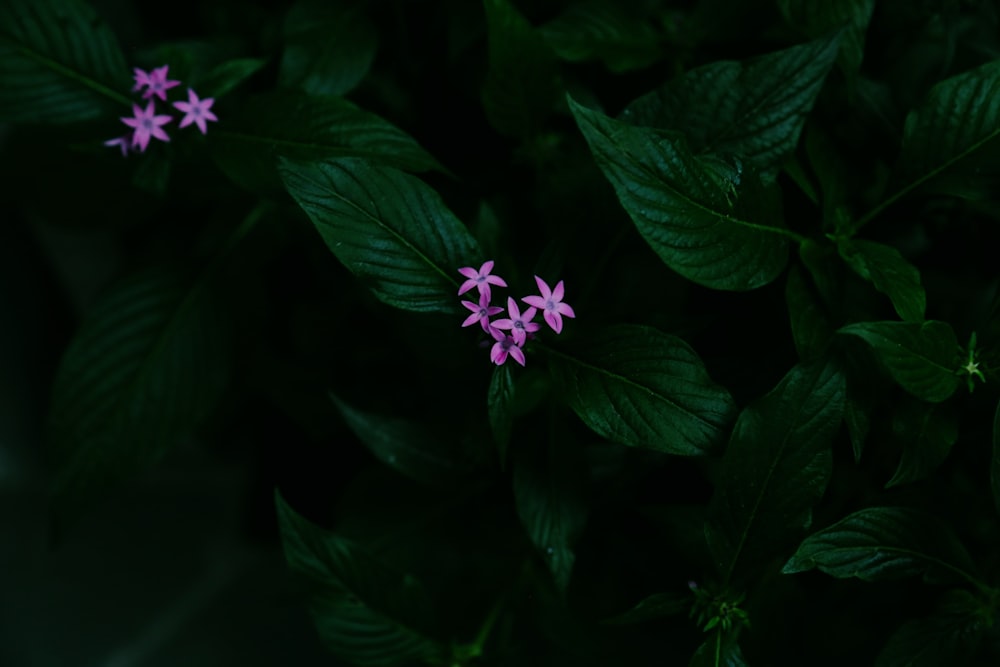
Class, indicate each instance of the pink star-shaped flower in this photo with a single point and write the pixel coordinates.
(141, 79)
(481, 279)
(158, 83)
(196, 111)
(551, 304)
(122, 142)
(481, 312)
(146, 125)
(520, 325)
(504, 347)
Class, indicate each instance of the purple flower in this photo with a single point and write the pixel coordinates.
(481, 312)
(504, 346)
(146, 125)
(551, 304)
(196, 111)
(122, 142)
(481, 279)
(141, 79)
(520, 325)
(157, 82)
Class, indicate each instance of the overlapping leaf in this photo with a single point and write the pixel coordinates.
(891, 274)
(946, 637)
(59, 63)
(818, 17)
(615, 34)
(927, 433)
(389, 228)
(710, 220)
(499, 398)
(641, 387)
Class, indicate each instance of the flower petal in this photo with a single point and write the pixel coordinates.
(518, 354)
(543, 289)
(536, 301)
(554, 320)
(469, 272)
(557, 293)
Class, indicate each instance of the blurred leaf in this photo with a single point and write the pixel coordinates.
(307, 127)
(815, 18)
(718, 651)
(365, 612)
(329, 46)
(615, 34)
(711, 221)
(519, 91)
(657, 605)
(549, 486)
(59, 63)
(147, 366)
(811, 329)
(499, 400)
(891, 274)
(226, 76)
(641, 387)
(390, 229)
(754, 111)
(995, 464)
(945, 637)
(776, 467)
(927, 433)
(922, 358)
(885, 543)
(404, 445)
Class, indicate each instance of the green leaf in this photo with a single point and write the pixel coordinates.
(405, 445)
(365, 612)
(775, 469)
(711, 221)
(657, 605)
(891, 274)
(946, 637)
(548, 494)
(922, 358)
(638, 386)
(754, 111)
(616, 35)
(811, 329)
(389, 228)
(226, 76)
(885, 543)
(59, 63)
(307, 127)
(519, 91)
(815, 18)
(146, 367)
(718, 651)
(498, 400)
(927, 433)
(995, 463)
(329, 46)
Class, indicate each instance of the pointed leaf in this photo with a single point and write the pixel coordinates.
(226, 76)
(499, 399)
(776, 468)
(640, 387)
(307, 127)
(392, 231)
(884, 543)
(718, 651)
(927, 433)
(613, 33)
(891, 274)
(754, 110)
(995, 463)
(818, 17)
(520, 90)
(365, 612)
(922, 358)
(811, 329)
(709, 220)
(145, 369)
(404, 445)
(657, 605)
(946, 637)
(59, 63)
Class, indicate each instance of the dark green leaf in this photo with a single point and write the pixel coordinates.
(520, 90)
(365, 612)
(404, 445)
(304, 127)
(891, 274)
(880, 543)
(922, 358)
(641, 387)
(927, 433)
(754, 111)
(226, 76)
(815, 18)
(329, 46)
(389, 228)
(995, 464)
(811, 329)
(711, 221)
(657, 605)
(776, 468)
(498, 400)
(718, 651)
(943, 638)
(145, 369)
(548, 494)
(59, 63)
(615, 34)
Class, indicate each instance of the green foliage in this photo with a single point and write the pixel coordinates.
(946, 637)
(622, 37)
(815, 18)
(499, 399)
(927, 433)
(891, 274)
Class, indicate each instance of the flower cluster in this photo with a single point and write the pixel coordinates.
(511, 332)
(146, 124)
